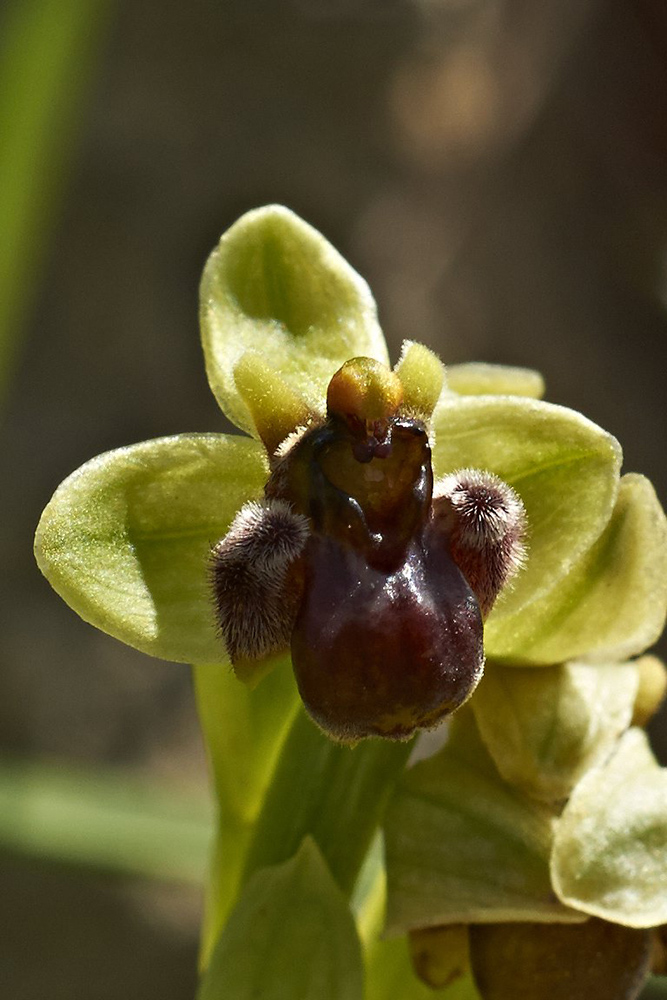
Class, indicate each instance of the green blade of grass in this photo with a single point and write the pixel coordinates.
(104, 820)
(48, 49)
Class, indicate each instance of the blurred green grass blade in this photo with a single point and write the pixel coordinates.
(47, 52)
(104, 820)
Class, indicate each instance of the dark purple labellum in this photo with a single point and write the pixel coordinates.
(378, 584)
(379, 652)
(388, 638)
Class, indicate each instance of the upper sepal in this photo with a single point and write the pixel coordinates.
(274, 286)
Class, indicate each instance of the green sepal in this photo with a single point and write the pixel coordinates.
(564, 468)
(464, 846)
(545, 727)
(612, 603)
(126, 539)
(475, 378)
(276, 287)
(610, 845)
(290, 937)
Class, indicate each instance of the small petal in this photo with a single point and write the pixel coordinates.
(276, 287)
(126, 539)
(440, 955)
(611, 605)
(547, 726)
(422, 375)
(290, 936)
(276, 409)
(463, 846)
(565, 470)
(475, 378)
(652, 689)
(390, 976)
(610, 847)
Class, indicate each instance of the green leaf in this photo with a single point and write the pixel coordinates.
(463, 846)
(474, 378)
(244, 730)
(125, 539)
(564, 468)
(610, 845)
(291, 937)
(546, 727)
(336, 794)
(612, 603)
(275, 287)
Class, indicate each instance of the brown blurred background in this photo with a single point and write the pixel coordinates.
(497, 170)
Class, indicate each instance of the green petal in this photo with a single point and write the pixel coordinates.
(463, 846)
(610, 846)
(276, 287)
(125, 539)
(565, 469)
(546, 727)
(612, 604)
(422, 376)
(478, 379)
(291, 937)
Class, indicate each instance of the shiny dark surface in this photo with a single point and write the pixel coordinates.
(388, 638)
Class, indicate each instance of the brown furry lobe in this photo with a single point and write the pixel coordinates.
(255, 585)
(486, 524)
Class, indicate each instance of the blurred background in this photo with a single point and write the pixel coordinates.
(497, 170)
